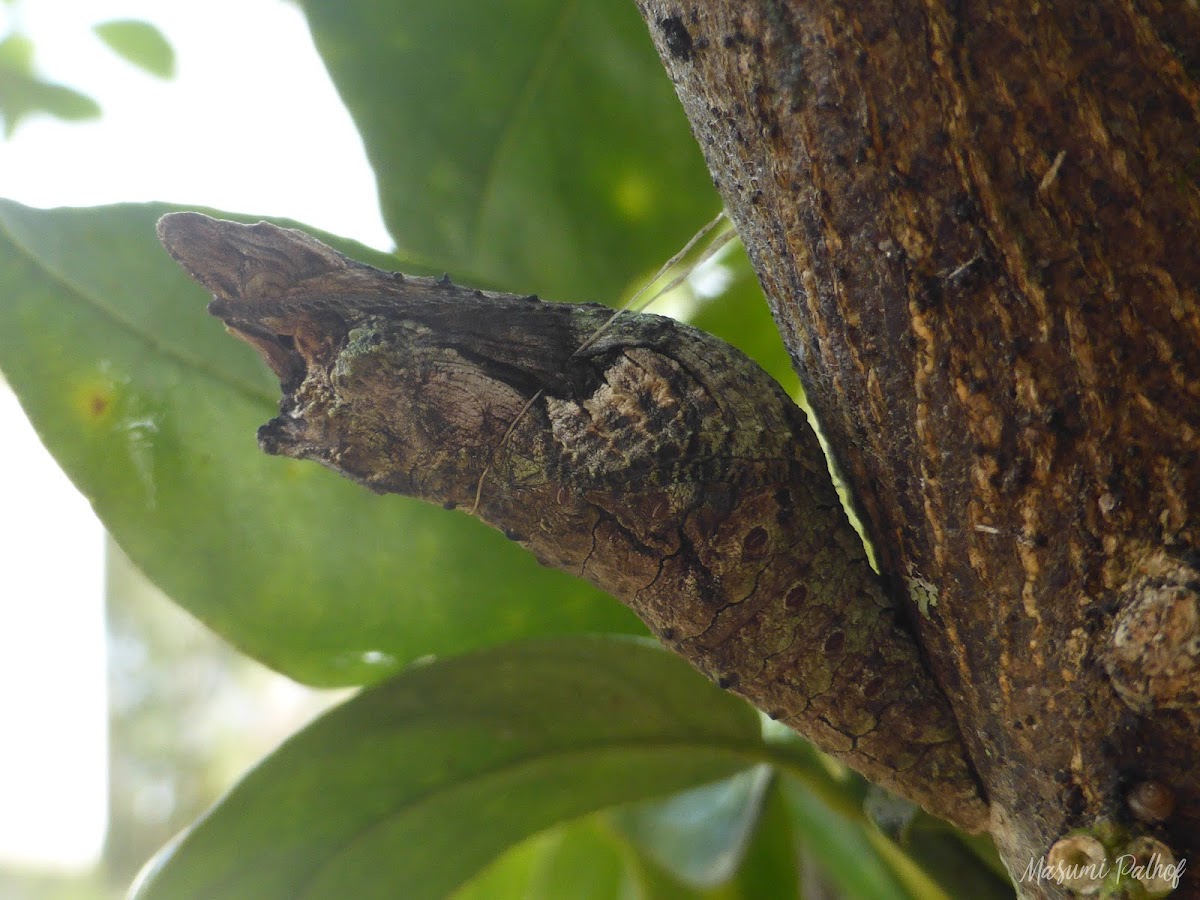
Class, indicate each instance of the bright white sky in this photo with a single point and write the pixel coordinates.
(252, 124)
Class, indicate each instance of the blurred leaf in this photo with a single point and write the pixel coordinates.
(413, 786)
(536, 142)
(582, 862)
(740, 315)
(699, 836)
(844, 849)
(983, 848)
(16, 53)
(943, 855)
(839, 788)
(139, 43)
(152, 411)
(770, 866)
(892, 815)
(917, 882)
(507, 877)
(23, 93)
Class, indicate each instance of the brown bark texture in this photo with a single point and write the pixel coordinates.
(977, 225)
(652, 459)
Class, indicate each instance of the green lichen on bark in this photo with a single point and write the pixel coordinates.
(659, 463)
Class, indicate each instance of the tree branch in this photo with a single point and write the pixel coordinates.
(659, 463)
(976, 224)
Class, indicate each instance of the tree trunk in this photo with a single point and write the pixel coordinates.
(977, 227)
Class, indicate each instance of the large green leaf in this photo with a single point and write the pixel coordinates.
(412, 787)
(699, 836)
(587, 858)
(843, 847)
(770, 867)
(535, 142)
(152, 410)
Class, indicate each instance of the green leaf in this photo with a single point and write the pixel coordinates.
(139, 43)
(412, 787)
(23, 93)
(945, 855)
(740, 315)
(699, 836)
(536, 142)
(16, 53)
(582, 862)
(507, 878)
(771, 867)
(152, 411)
(846, 853)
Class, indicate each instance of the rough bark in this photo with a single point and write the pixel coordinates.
(652, 459)
(977, 224)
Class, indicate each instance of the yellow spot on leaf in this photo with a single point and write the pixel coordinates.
(94, 402)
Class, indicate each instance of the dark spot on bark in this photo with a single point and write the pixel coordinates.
(1017, 726)
(676, 37)
(478, 293)
(1015, 475)
(874, 688)
(755, 543)
(533, 298)
(668, 634)
(775, 715)
(701, 43)
(513, 535)
(1073, 800)
(835, 642)
(783, 499)
(449, 504)
(444, 281)
(930, 294)
(727, 681)
(795, 597)
(397, 276)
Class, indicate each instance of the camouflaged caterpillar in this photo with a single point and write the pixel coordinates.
(658, 462)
